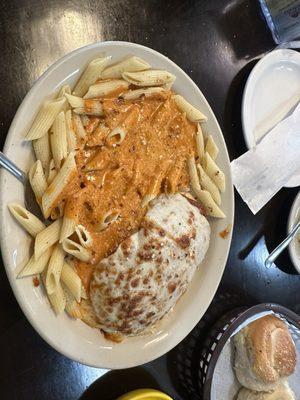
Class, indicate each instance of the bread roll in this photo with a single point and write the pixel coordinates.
(282, 392)
(265, 353)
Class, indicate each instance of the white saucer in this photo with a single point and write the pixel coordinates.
(273, 84)
(294, 246)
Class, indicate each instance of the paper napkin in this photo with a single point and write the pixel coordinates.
(262, 171)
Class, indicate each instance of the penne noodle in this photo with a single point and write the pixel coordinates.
(156, 92)
(67, 172)
(71, 280)
(85, 120)
(46, 238)
(211, 148)
(37, 180)
(116, 136)
(58, 140)
(69, 223)
(107, 219)
(214, 172)
(74, 101)
(58, 299)
(155, 185)
(72, 307)
(84, 236)
(102, 89)
(83, 293)
(172, 179)
(211, 208)
(195, 184)
(76, 250)
(57, 212)
(51, 172)
(130, 64)
(209, 185)
(70, 133)
(90, 75)
(42, 150)
(151, 77)
(45, 118)
(90, 107)
(199, 143)
(192, 113)
(27, 220)
(63, 91)
(54, 269)
(78, 126)
(34, 266)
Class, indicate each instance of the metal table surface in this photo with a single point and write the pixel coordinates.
(217, 42)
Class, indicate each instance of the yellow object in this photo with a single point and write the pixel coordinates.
(145, 394)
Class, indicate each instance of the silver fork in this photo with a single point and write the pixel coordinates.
(30, 201)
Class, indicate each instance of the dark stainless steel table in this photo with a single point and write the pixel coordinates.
(217, 43)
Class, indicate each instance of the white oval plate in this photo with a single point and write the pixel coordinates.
(274, 80)
(72, 337)
(294, 246)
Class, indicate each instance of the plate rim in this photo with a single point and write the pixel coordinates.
(9, 138)
(291, 222)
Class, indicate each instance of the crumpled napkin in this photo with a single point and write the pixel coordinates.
(262, 171)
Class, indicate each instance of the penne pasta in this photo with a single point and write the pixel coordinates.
(211, 208)
(107, 219)
(192, 113)
(46, 238)
(42, 150)
(199, 143)
(172, 179)
(72, 307)
(116, 136)
(45, 118)
(57, 212)
(34, 266)
(130, 64)
(67, 172)
(63, 91)
(209, 185)
(27, 220)
(71, 280)
(70, 133)
(54, 269)
(58, 140)
(214, 172)
(211, 148)
(156, 183)
(78, 126)
(156, 92)
(58, 299)
(51, 172)
(90, 75)
(105, 88)
(85, 120)
(74, 101)
(151, 77)
(195, 184)
(37, 180)
(90, 107)
(76, 250)
(83, 293)
(84, 236)
(69, 222)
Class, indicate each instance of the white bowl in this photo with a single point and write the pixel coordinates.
(294, 246)
(274, 81)
(72, 337)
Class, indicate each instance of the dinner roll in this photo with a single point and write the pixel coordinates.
(282, 392)
(265, 353)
